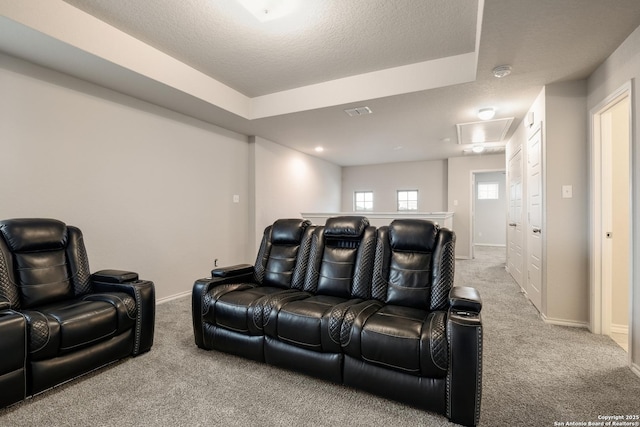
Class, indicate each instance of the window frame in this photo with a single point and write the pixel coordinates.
(488, 193)
(408, 200)
(367, 204)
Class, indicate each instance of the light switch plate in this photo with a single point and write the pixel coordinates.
(567, 191)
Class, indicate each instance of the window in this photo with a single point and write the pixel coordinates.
(488, 191)
(407, 200)
(363, 200)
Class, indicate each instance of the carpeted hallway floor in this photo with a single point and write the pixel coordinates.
(534, 375)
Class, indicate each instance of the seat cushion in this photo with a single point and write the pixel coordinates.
(68, 326)
(406, 339)
(242, 310)
(313, 323)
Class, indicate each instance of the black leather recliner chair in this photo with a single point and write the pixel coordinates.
(303, 330)
(228, 307)
(57, 321)
(419, 339)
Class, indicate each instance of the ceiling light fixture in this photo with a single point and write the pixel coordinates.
(268, 10)
(477, 149)
(319, 149)
(502, 71)
(486, 113)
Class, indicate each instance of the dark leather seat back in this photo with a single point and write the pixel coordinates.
(47, 262)
(414, 264)
(280, 262)
(341, 258)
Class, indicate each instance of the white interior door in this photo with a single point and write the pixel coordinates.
(515, 236)
(615, 138)
(534, 219)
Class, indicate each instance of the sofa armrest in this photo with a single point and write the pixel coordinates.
(114, 276)
(13, 363)
(464, 298)
(464, 377)
(5, 305)
(232, 271)
(144, 294)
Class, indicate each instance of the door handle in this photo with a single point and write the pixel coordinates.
(537, 230)
(512, 224)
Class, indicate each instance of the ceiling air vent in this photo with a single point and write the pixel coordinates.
(358, 111)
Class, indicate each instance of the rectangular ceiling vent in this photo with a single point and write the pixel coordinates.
(358, 111)
(484, 131)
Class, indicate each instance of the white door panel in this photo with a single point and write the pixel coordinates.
(534, 219)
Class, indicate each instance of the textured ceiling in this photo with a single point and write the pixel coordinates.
(545, 41)
(322, 40)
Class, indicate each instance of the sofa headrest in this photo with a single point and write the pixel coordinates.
(345, 226)
(34, 234)
(288, 231)
(415, 235)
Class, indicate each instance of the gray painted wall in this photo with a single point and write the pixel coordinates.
(428, 177)
(285, 183)
(142, 183)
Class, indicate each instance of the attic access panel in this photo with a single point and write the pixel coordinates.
(483, 131)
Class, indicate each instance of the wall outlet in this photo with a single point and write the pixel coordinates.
(236, 198)
(567, 191)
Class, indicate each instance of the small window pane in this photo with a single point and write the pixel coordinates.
(407, 200)
(363, 201)
(488, 191)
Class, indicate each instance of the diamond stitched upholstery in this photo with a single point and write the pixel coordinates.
(70, 329)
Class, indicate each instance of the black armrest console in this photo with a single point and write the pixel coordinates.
(114, 276)
(465, 298)
(232, 271)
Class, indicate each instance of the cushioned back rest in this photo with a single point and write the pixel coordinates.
(40, 261)
(277, 259)
(408, 267)
(339, 255)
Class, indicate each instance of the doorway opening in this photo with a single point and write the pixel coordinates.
(488, 211)
(611, 225)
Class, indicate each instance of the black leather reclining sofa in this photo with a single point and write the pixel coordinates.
(58, 321)
(369, 308)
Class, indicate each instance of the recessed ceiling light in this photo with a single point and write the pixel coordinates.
(486, 113)
(319, 149)
(502, 71)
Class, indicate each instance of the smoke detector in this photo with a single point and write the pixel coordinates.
(501, 71)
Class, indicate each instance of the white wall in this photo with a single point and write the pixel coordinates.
(490, 223)
(150, 189)
(285, 183)
(622, 66)
(459, 194)
(428, 177)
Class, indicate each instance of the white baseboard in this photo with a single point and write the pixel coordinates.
(635, 368)
(620, 329)
(172, 297)
(491, 245)
(564, 322)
